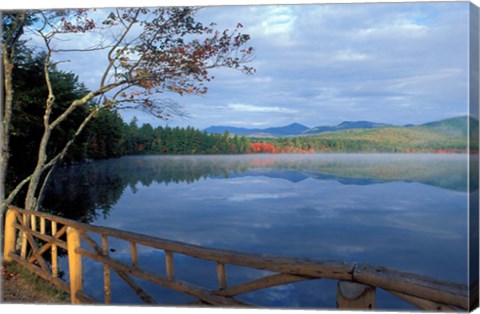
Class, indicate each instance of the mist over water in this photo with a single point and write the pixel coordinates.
(401, 211)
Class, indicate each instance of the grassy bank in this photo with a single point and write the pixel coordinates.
(19, 285)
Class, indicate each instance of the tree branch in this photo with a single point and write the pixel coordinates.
(114, 47)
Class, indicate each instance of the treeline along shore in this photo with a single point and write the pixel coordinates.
(447, 136)
(109, 137)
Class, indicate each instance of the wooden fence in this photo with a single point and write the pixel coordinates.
(42, 235)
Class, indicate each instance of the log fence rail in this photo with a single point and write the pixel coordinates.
(356, 283)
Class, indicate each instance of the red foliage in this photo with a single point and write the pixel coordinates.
(262, 148)
(270, 148)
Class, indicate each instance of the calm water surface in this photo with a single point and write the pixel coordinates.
(402, 211)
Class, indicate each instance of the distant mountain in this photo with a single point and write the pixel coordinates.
(454, 126)
(347, 125)
(294, 129)
(220, 129)
(449, 127)
(288, 130)
(291, 129)
(445, 135)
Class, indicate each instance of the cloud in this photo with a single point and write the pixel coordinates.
(348, 55)
(242, 123)
(277, 21)
(399, 28)
(253, 108)
(321, 64)
(255, 197)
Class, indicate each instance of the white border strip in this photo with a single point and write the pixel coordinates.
(55, 4)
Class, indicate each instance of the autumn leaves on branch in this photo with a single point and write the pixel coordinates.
(147, 51)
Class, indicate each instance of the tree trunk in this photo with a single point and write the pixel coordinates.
(6, 115)
(34, 180)
(9, 43)
(30, 202)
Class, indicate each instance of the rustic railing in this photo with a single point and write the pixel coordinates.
(40, 234)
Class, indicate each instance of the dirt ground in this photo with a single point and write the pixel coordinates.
(16, 288)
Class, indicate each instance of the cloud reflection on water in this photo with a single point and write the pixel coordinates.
(318, 206)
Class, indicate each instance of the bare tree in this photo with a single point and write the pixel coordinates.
(148, 52)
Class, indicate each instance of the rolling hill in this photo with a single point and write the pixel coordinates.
(449, 135)
(456, 127)
(294, 129)
(288, 130)
(347, 125)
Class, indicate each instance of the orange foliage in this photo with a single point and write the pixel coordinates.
(262, 148)
(269, 148)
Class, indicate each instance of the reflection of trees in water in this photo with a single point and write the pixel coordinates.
(444, 171)
(83, 192)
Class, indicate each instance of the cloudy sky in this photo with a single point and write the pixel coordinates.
(321, 64)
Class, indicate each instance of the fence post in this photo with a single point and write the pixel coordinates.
(169, 265)
(74, 264)
(221, 276)
(10, 235)
(352, 295)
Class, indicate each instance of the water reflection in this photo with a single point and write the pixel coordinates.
(93, 189)
(406, 212)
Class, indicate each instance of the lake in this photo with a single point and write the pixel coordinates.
(407, 212)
